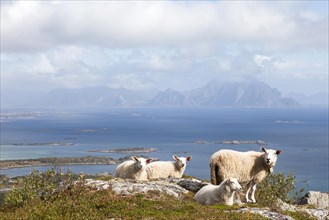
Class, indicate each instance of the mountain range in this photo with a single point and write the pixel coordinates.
(213, 94)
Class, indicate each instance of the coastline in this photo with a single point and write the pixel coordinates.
(53, 161)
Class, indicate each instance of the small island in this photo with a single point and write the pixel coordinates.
(199, 142)
(127, 150)
(237, 142)
(45, 144)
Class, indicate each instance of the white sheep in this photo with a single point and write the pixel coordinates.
(218, 194)
(133, 169)
(165, 169)
(250, 168)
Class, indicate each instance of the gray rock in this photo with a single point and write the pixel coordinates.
(266, 213)
(192, 185)
(320, 214)
(130, 187)
(285, 206)
(317, 199)
(97, 184)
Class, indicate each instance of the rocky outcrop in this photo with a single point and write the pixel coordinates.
(265, 212)
(319, 201)
(122, 187)
(171, 186)
(320, 214)
(316, 199)
(179, 187)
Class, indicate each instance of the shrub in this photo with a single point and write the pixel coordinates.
(46, 186)
(277, 186)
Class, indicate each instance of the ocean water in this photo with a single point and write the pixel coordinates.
(301, 134)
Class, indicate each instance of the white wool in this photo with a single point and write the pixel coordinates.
(165, 169)
(250, 168)
(133, 169)
(218, 194)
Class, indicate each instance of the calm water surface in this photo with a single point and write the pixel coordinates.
(301, 134)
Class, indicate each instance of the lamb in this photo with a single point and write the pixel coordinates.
(165, 169)
(133, 169)
(250, 168)
(222, 194)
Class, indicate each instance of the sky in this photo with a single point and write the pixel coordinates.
(156, 45)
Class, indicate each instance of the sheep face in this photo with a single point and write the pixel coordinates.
(181, 161)
(234, 184)
(140, 162)
(270, 156)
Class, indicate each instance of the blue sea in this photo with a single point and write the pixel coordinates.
(301, 134)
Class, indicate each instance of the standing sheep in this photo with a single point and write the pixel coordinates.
(165, 169)
(222, 194)
(133, 169)
(250, 168)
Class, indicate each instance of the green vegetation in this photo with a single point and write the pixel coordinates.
(57, 195)
(277, 186)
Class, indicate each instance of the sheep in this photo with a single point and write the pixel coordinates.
(165, 169)
(250, 168)
(133, 169)
(218, 194)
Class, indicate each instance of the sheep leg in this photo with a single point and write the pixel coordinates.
(247, 193)
(253, 190)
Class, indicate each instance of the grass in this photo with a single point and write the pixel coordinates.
(105, 205)
(57, 195)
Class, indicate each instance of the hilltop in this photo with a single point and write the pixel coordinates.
(43, 195)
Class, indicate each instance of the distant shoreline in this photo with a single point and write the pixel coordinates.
(233, 142)
(53, 161)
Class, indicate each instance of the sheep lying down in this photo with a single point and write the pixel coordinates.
(218, 194)
(133, 169)
(165, 169)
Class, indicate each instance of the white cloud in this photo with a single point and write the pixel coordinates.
(160, 44)
(42, 66)
(41, 25)
(261, 59)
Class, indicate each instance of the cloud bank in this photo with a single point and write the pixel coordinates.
(160, 44)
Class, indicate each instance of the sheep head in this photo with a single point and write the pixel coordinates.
(233, 184)
(181, 161)
(270, 157)
(141, 162)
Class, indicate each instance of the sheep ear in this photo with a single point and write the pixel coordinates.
(175, 157)
(188, 158)
(228, 181)
(278, 152)
(134, 158)
(149, 160)
(263, 149)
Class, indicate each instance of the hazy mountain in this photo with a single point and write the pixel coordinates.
(239, 94)
(170, 97)
(214, 94)
(93, 97)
